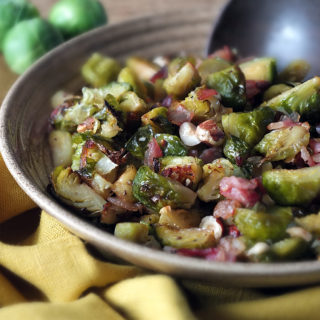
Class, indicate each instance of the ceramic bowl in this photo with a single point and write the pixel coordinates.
(24, 146)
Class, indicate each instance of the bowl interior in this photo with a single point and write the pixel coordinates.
(24, 146)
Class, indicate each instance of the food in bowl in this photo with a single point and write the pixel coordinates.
(213, 158)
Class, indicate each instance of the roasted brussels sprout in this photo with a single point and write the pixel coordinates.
(180, 83)
(156, 191)
(100, 70)
(158, 119)
(190, 238)
(292, 187)
(132, 231)
(259, 69)
(211, 65)
(236, 150)
(275, 90)
(304, 99)
(296, 71)
(248, 126)
(61, 148)
(143, 68)
(283, 144)
(288, 249)
(230, 83)
(130, 102)
(310, 223)
(171, 145)
(186, 170)
(128, 76)
(263, 225)
(68, 186)
(212, 175)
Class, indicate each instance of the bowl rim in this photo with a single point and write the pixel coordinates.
(157, 260)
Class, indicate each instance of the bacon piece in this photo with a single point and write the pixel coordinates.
(124, 204)
(315, 145)
(226, 208)
(161, 74)
(204, 93)
(153, 151)
(209, 133)
(254, 88)
(247, 192)
(306, 157)
(178, 114)
(287, 122)
(86, 125)
(223, 53)
(210, 154)
(233, 231)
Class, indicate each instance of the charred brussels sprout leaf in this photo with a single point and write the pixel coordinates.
(138, 143)
(158, 119)
(171, 145)
(292, 187)
(283, 144)
(156, 191)
(236, 150)
(230, 83)
(304, 99)
(100, 70)
(248, 126)
(263, 225)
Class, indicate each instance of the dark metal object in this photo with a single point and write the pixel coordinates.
(284, 29)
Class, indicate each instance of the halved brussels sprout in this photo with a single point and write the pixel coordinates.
(304, 99)
(190, 238)
(292, 187)
(248, 126)
(283, 144)
(275, 90)
(68, 186)
(263, 225)
(236, 150)
(171, 145)
(100, 70)
(181, 82)
(310, 223)
(212, 175)
(211, 65)
(156, 191)
(177, 63)
(288, 249)
(158, 119)
(230, 83)
(130, 102)
(179, 218)
(101, 185)
(61, 147)
(128, 76)
(143, 68)
(296, 71)
(186, 170)
(132, 231)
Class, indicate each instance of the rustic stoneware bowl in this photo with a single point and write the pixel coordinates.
(24, 145)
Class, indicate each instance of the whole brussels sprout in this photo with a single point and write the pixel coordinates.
(73, 17)
(12, 12)
(27, 41)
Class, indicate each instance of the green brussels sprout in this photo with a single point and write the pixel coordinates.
(186, 170)
(12, 12)
(61, 147)
(143, 68)
(73, 17)
(191, 238)
(304, 99)
(288, 249)
(138, 143)
(156, 191)
(283, 144)
(263, 225)
(177, 63)
(292, 187)
(230, 83)
(100, 70)
(236, 150)
(212, 175)
(128, 76)
(171, 145)
(180, 83)
(310, 223)
(158, 119)
(250, 127)
(259, 69)
(132, 231)
(211, 65)
(27, 41)
(130, 102)
(296, 71)
(68, 186)
(275, 90)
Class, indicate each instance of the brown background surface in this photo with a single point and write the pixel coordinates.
(118, 10)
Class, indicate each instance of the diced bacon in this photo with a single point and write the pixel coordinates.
(209, 133)
(87, 125)
(245, 191)
(124, 204)
(287, 122)
(223, 53)
(316, 158)
(306, 157)
(233, 231)
(254, 88)
(204, 93)
(210, 154)
(315, 145)
(197, 253)
(178, 114)
(161, 74)
(153, 151)
(226, 208)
